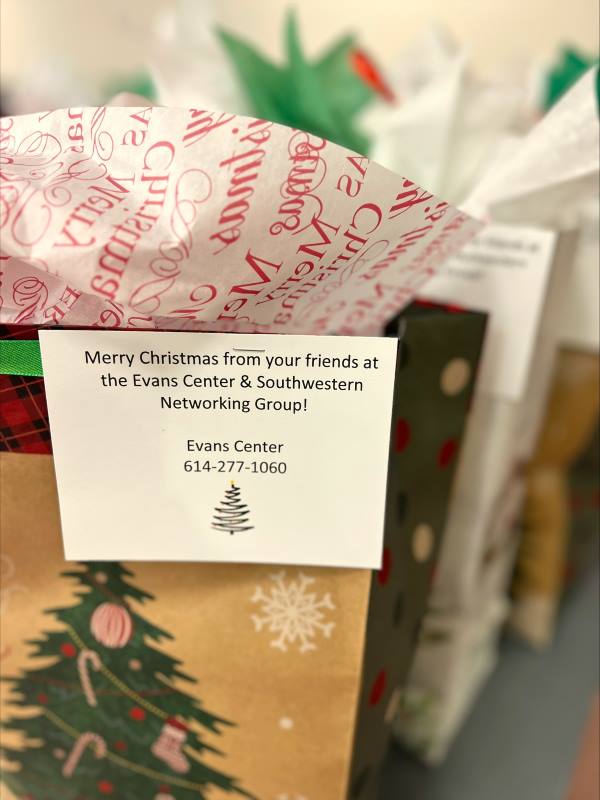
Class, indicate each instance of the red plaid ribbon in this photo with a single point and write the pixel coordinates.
(24, 424)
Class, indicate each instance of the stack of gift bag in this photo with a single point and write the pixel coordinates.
(201, 680)
(171, 681)
(536, 401)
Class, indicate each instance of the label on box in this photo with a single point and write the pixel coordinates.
(220, 447)
(504, 271)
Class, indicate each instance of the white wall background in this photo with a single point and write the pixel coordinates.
(102, 36)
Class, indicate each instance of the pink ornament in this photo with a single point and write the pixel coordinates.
(111, 625)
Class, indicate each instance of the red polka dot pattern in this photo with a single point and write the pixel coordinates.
(69, 650)
(402, 437)
(120, 745)
(432, 576)
(378, 688)
(386, 567)
(138, 714)
(105, 787)
(42, 699)
(446, 453)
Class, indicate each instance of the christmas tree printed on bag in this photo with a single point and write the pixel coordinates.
(109, 721)
(232, 515)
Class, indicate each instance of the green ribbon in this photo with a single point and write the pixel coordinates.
(20, 357)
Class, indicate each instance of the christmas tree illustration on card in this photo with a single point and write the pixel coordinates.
(103, 717)
(232, 516)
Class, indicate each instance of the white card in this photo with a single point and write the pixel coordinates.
(504, 270)
(163, 452)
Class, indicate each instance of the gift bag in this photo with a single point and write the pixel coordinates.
(185, 679)
(500, 436)
(170, 680)
(458, 649)
(154, 680)
(479, 544)
(456, 655)
(559, 522)
(439, 351)
(569, 424)
(584, 487)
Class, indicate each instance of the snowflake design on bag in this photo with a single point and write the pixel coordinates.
(292, 612)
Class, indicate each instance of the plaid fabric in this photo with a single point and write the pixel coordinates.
(23, 412)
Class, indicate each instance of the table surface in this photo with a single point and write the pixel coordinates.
(522, 738)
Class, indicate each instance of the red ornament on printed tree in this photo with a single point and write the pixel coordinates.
(111, 625)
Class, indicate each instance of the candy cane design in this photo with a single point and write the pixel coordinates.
(84, 673)
(78, 748)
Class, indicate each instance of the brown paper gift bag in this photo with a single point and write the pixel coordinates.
(287, 685)
(163, 681)
(571, 417)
